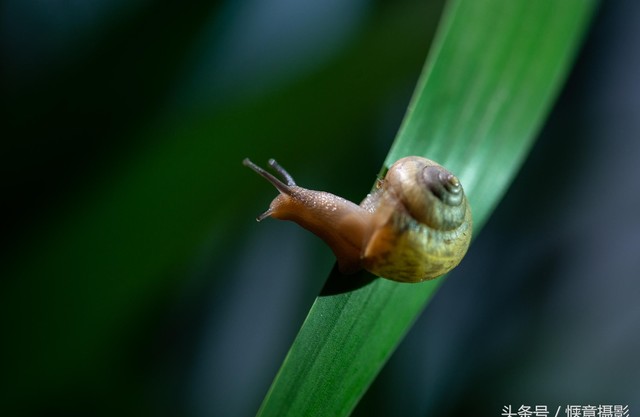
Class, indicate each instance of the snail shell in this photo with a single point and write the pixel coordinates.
(415, 226)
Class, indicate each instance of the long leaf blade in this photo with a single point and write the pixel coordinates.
(494, 71)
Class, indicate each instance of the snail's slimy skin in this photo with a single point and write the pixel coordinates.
(415, 226)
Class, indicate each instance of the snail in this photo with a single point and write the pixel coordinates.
(415, 226)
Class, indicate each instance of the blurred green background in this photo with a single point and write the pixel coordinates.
(136, 281)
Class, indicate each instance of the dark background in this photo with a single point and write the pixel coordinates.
(135, 281)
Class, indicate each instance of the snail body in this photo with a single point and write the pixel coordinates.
(416, 225)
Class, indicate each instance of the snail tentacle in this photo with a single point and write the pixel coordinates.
(282, 187)
(280, 170)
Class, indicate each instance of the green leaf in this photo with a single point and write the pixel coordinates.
(492, 76)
